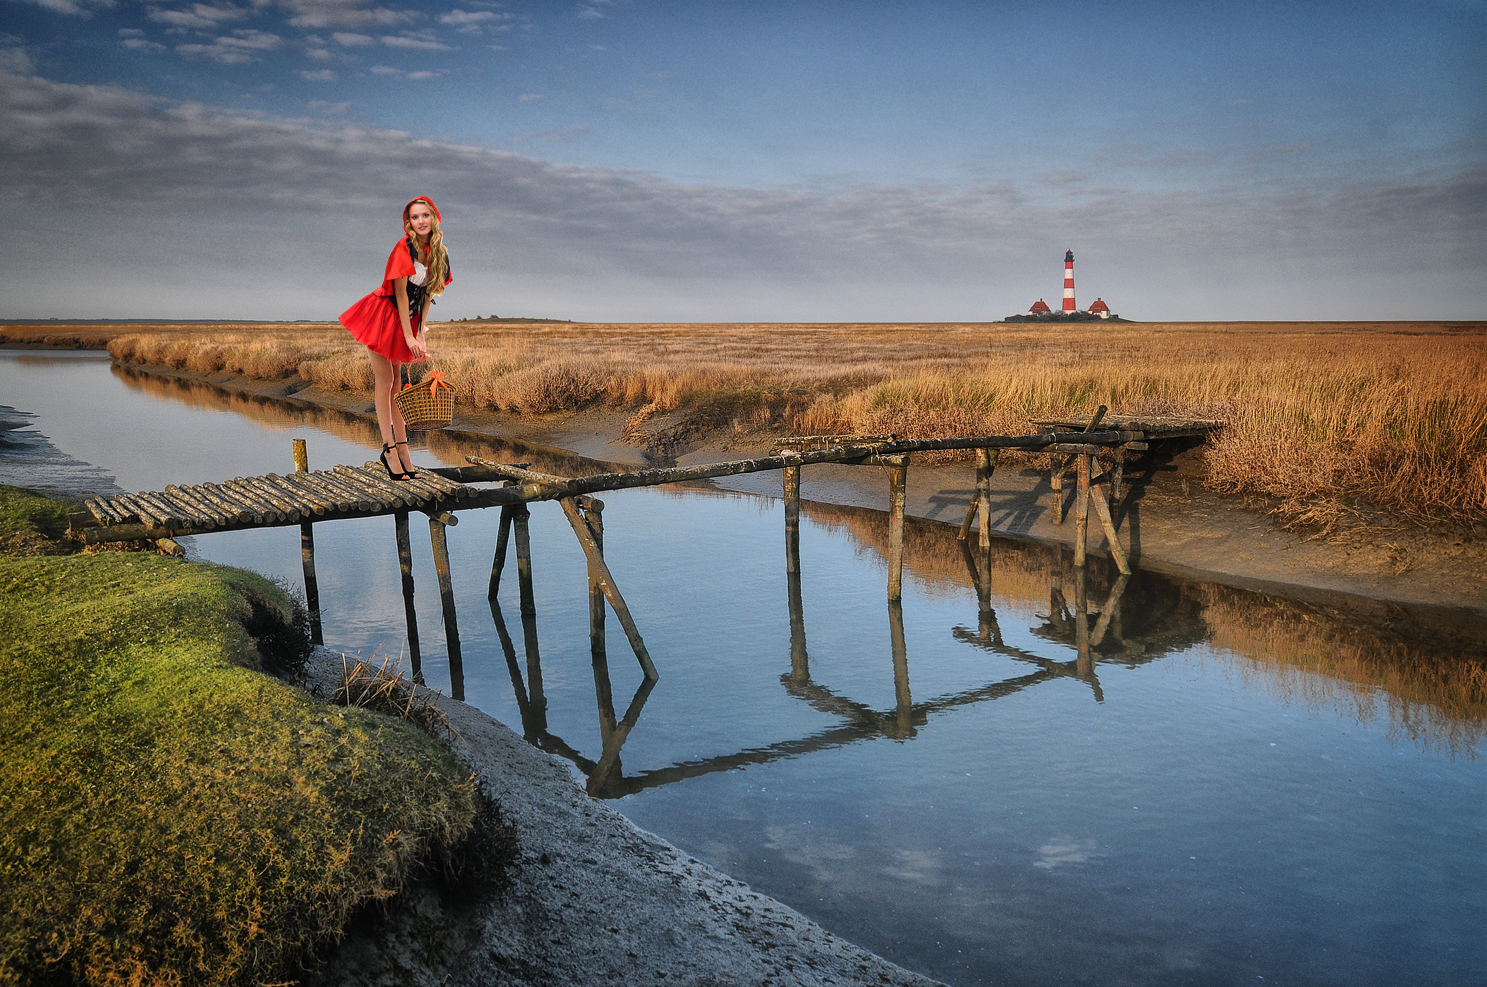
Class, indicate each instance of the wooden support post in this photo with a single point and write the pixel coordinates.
(1058, 465)
(1117, 477)
(986, 460)
(611, 591)
(519, 516)
(307, 553)
(593, 516)
(792, 519)
(503, 536)
(446, 601)
(405, 563)
(1081, 508)
(1102, 511)
(902, 726)
(898, 478)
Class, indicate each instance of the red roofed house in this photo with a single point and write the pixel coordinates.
(1100, 308)
(1039, 307)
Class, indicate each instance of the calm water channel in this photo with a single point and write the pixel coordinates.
(1230, 789)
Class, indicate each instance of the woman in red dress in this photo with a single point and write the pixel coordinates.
(390, 321)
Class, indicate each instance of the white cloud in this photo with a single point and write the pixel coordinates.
(343, 13)
(323, 75)
(529, 97)
(15, 60)
(201, 16)
(142, 44)
(416, 44)
(353, 40)
(472, 21)
(73, 8)
(239, 48)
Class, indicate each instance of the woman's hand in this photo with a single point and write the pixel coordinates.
(418, 346)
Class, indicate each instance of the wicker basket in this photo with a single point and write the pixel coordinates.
(428, 404)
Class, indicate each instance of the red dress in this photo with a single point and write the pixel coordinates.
(374, 320)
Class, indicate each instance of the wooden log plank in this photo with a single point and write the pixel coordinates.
(309, 501)
(230, 496)
(320, 501)
(446, 602)
(182, 511)
(204, 507)
(385, 489)
(285, 501)
(104, 510)
(405, 567)
(449, 487)
(97, 511)
(169, 546)
(363, 498)
(343, 498)
(147, 514)
(367, 488)
(611, 592)
(244, 514)
(272, 507)
(333, 500)
(167, 513)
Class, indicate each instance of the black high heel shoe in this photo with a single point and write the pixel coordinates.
(395, 474)
(412, 474)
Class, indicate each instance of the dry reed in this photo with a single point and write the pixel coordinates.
(1325, 420)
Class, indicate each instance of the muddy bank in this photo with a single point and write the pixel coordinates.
(1168, 521)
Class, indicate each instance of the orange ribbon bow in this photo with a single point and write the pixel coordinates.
(436, 380)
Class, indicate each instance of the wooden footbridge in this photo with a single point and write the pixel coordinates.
(308, 497)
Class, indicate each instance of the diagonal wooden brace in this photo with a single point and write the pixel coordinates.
(1102, 511)
(606, 583)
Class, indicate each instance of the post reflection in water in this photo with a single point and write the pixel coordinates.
(1167, 628)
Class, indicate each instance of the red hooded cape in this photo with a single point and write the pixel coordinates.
(374, 321)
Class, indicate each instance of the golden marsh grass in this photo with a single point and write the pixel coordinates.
(1324, 418)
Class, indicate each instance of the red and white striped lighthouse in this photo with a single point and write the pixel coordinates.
(1068, 281)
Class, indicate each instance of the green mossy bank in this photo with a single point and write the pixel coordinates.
(168, 814)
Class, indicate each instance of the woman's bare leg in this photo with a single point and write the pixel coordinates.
(384, 375)
(399, 426)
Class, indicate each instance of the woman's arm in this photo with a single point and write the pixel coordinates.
(415, 344)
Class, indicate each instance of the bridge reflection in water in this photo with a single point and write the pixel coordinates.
(1161, 622)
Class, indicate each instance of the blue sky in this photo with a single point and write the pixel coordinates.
(635, 160)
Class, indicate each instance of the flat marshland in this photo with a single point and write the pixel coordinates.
(1325, 420)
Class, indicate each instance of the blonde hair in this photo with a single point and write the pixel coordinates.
(438, 257)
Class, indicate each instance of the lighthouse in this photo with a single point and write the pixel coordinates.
(1068, 281)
